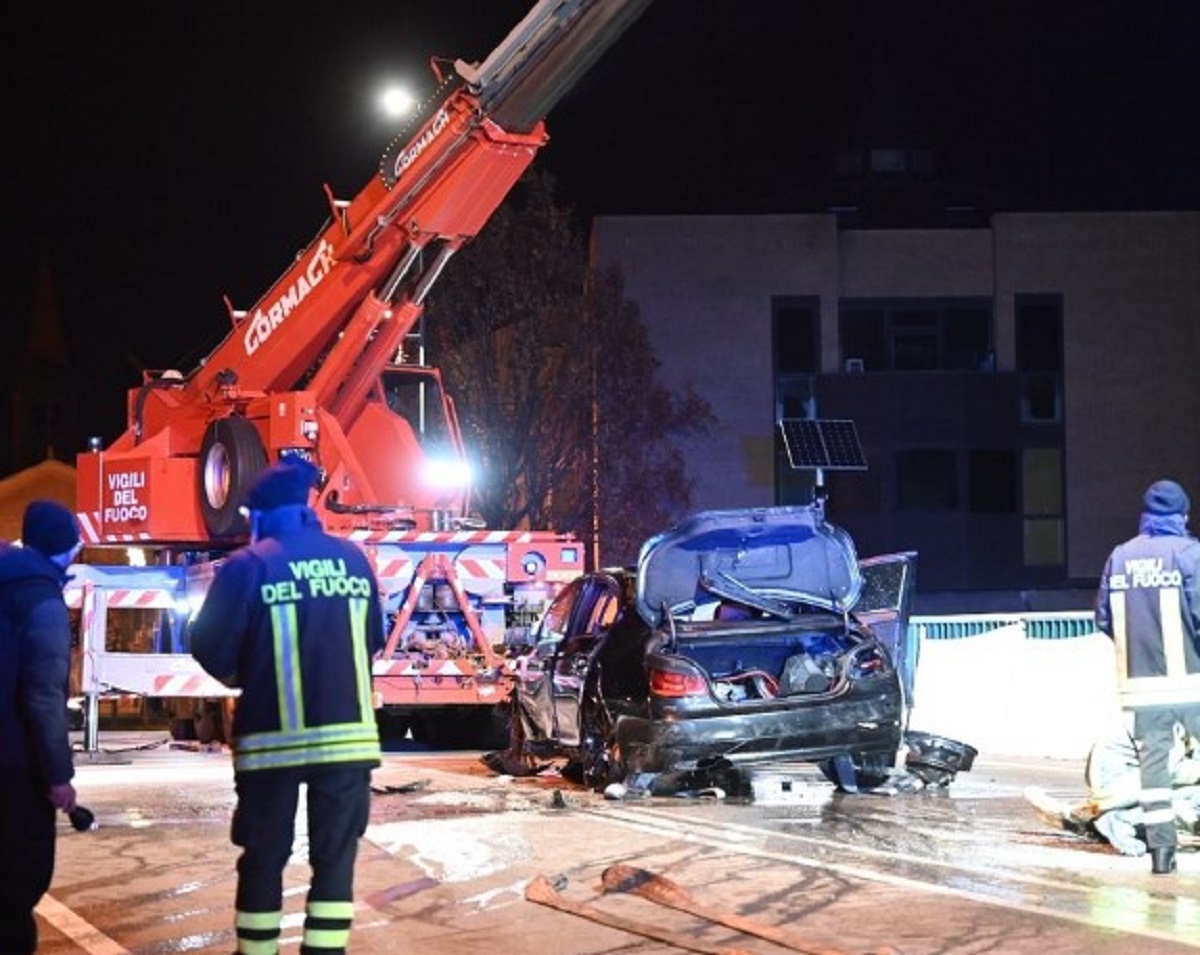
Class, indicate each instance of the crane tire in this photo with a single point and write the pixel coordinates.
(231, 456)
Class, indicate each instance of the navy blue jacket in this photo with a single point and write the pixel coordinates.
(294, 620)
(35, 663)
(1149, 603)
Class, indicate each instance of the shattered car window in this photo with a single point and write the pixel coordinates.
(883, 584)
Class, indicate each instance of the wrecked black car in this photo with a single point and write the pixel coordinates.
(742, 637)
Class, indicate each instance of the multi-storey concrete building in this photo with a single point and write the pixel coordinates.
(1015, 382)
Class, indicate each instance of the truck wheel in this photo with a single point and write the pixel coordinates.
(227, 706)
(488, 727)
(469, 726)
(231, 457)
(183, 729)
(206, 725)
(393, 724)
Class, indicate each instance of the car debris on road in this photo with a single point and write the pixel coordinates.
(662, 891)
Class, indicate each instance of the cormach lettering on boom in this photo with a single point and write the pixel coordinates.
(409, 156)
(263, 323)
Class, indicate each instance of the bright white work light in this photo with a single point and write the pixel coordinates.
(447, 473)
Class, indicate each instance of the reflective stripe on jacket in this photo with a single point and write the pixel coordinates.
(1149, 595)
(294, 620)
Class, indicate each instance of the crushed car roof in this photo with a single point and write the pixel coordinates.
(766, 554)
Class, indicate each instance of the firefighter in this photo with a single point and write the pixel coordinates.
(293, 620)
(36, 766)
(1149, 603)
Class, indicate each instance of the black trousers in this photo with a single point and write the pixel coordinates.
(1154, 730)
(27, 836)
(338, 809)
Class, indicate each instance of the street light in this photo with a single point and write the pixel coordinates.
(396, 101)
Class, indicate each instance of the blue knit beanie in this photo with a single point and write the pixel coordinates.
(49, 528)
(287, 482)
(1165, 497)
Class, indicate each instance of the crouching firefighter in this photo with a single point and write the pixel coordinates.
(293, 621)
(1149, 603)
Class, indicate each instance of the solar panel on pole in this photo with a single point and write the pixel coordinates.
(822, 444)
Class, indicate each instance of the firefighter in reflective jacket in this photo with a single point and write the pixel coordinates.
(293, 620)
(1149, 603)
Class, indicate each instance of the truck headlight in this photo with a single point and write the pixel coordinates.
(442, 473)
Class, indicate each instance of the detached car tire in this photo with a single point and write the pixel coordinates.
(859, 773)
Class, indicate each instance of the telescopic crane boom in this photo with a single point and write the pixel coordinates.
(309, 369)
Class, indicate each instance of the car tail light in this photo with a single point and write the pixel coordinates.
(671, 683)
(869, 661)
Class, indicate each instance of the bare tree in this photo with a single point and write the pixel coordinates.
(556, 385)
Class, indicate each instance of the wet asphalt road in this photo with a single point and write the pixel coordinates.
(452, 848)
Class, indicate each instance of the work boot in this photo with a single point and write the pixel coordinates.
(1162, 860)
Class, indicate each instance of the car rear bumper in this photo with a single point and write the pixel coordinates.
(864, 725)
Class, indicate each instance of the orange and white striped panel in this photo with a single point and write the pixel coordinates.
(481, 569)
(424, 668)
(187, 684)
(135, 598)
(394, 567)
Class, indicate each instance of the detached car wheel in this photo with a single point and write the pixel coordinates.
(599, 759)
(859, 773)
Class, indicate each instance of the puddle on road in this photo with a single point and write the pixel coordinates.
(455, 803)
(456, 850)
(1128, 909)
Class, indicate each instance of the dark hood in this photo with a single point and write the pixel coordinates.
(24, 565)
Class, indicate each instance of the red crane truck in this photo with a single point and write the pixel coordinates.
(322, 366)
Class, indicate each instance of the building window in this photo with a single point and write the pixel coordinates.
(796, 352)
(1043, 543)
(1040, 398)
(793, 399)
(1042, 505)
(795, 323)
(914, 335)
(967, 339)
(917, 335)
(1039, 332)
(863, 334)
(992, 481)
(926, 480)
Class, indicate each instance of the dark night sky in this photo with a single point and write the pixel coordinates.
(161, 155)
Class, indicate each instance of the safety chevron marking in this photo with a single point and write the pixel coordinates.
(126, 599)
(196, 684)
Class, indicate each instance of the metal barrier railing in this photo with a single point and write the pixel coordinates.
(1058, 625)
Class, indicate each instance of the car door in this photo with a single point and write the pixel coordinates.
(535, 684)
(593, 612)
(889, 581)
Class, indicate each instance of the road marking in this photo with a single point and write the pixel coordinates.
(79, 931)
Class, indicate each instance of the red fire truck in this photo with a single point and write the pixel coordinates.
(322, 366)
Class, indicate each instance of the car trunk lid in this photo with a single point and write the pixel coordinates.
(767, 558)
